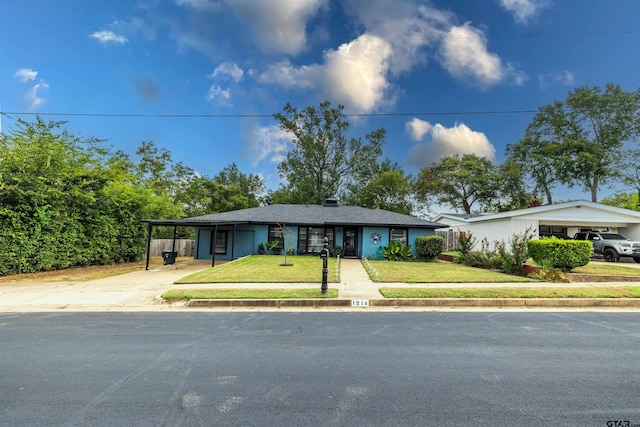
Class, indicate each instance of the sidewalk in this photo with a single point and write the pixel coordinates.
(138, 291)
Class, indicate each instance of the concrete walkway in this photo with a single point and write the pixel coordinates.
(139, 290)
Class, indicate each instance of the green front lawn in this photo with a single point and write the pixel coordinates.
(607, 269)
(435, 272)
(266, 269)
(588, 292)
(189, 294)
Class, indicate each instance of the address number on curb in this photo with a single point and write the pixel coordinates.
(359, 303)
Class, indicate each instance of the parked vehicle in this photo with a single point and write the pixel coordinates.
(612, 246)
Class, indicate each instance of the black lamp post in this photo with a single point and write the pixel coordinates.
(324, 254)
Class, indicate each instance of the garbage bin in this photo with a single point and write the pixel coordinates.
(169, 257)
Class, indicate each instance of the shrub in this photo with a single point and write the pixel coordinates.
(396, 252)
(561, 254)
(466, 242)
(429, 247)
(513, 259)
(335, 252)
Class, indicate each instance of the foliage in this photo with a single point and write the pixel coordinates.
(429, 247)
(580, 141)
(323, 160)
(623, 200)
(459, 181)
(336, 251)
(261, 250)
(466, 242)
(271, 247)
(389, 188)
(561, 254)
(484, 258)
(396, 252)
(516, 254)
(60, 204)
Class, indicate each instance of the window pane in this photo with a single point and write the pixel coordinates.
(315, 239)
(275, 233)
(399, 235)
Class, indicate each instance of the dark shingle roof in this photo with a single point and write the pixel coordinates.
(307, 215)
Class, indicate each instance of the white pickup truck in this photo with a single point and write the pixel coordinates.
(612, 246)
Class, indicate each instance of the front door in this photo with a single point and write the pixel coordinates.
(350, 242)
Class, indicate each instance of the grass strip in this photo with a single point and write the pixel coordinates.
(266, 269)
(598, 268)
(435, 272)
(517, 292)
(189, 294)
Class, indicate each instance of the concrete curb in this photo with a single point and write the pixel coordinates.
(422, 302)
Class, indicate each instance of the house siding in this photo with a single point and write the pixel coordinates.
(252, 235)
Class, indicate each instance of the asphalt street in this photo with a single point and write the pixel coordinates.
(323, 368)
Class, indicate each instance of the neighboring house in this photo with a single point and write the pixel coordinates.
(358, 231)
(562, 219)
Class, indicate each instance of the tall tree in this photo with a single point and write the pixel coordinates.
(324, 159)
(540, 160)
(251, 185)
(389, 189)
(461, 182)
(631, 176)
(580, 140)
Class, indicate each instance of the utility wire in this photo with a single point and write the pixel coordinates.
(242, 116)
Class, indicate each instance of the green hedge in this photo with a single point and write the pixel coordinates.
(560, 254)
(429, 247)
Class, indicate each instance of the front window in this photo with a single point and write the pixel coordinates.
(400, 235)
(276, 233)
(311, 239)
(220, 242)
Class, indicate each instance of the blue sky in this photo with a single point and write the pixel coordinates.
(234, 63)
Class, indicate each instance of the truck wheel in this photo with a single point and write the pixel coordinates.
(610, 255)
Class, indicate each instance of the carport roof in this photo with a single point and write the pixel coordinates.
(304, 214)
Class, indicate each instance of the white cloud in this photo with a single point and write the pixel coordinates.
(280, 25)
(464, 54)
(268, 143)
(459, 139)
(417, 128)
(106, 37)
(25, 74)
(219, 96)
(523, 10)
(565, 78)
(287, 75)
(354, 75)
(33, 95)
(228, 69)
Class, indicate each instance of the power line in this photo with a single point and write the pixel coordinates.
(244, 116)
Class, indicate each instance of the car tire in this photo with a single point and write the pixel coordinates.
(637, 259)
(610, 255)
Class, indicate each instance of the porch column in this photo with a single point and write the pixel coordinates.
(233, 243)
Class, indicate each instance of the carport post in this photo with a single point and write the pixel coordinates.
(213, 246)
(173, 244)
(148, 243)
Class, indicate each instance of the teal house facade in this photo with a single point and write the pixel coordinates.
(352, 231)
